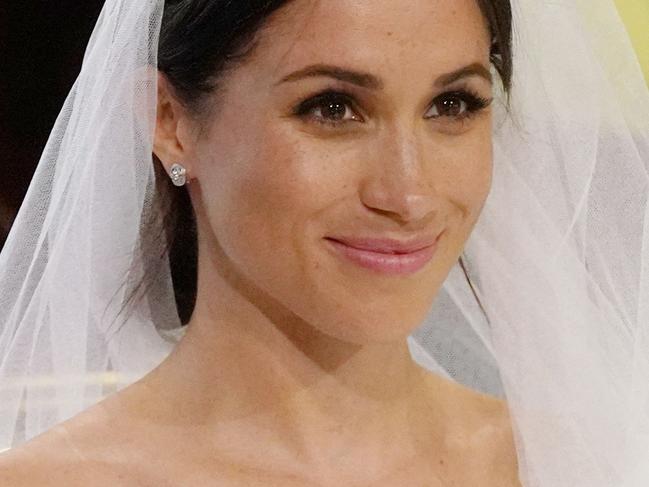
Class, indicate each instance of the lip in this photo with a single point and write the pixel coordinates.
(402, 263)
(387, 245)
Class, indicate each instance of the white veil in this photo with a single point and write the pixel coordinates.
(556, 318)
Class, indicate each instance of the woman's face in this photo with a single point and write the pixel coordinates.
(400, 149)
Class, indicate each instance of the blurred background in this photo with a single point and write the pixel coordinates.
(42, 45)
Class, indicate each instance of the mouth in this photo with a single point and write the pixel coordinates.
(386, 261)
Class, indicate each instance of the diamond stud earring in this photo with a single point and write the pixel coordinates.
(178, 175)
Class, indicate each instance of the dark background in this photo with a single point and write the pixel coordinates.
(41, 47)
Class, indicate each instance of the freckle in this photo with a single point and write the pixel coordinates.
(389, 34)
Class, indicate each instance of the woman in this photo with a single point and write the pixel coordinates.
(303, 132)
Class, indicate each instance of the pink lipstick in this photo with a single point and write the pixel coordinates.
(386, 256)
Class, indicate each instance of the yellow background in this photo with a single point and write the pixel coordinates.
(635, 14)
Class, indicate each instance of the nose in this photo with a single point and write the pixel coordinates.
(399, 180)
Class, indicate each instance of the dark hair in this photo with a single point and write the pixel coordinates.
(200, 40)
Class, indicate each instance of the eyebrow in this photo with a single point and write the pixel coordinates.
(367, 80)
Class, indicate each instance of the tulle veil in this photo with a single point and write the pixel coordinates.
(556, 319)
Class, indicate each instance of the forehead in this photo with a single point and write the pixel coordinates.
(440, 35)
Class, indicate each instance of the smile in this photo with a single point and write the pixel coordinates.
(385, 263)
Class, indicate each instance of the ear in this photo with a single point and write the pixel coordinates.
(171, 140)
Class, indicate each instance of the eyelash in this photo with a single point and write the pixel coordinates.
(474, 104)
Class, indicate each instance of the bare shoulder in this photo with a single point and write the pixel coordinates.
(56, 459)
(19, 469)
(487, 430)
(45, 461)
(499, 438)
(494, 436)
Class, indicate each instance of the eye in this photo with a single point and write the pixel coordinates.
(458, 105)
(330, 108)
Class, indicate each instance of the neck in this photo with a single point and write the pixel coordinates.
(289, 384)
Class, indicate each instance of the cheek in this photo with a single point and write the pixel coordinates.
(266, 201)
(285, 187)
(469, 181)
(462, 176)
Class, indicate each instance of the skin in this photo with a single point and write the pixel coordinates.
(319, 387)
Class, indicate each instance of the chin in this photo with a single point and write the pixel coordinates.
(364, 330)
